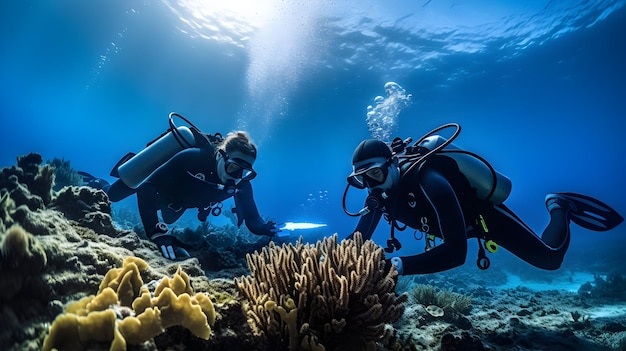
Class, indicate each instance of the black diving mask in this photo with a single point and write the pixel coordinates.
(237, 168)
(369, 176)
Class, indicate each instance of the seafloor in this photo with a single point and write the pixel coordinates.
(73, 242)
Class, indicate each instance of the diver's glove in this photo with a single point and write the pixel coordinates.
(269, 229)
(397, 262)
(171, 248)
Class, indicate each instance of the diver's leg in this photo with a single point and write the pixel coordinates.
(509, 231)
(119, 191)
(171, 213)
(148, 203)
(556, 233)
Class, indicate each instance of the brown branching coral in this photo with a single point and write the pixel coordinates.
(326, 296)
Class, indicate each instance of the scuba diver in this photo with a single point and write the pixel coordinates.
(448, 195)
(182, 169)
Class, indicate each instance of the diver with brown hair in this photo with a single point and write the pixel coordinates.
(185, 168)
(447, 195)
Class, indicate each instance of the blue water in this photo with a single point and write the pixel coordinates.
(538, 87)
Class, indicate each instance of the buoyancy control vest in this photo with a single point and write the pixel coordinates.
(490, 184)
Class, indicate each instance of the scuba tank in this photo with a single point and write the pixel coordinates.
(489, 184)
(133, 169)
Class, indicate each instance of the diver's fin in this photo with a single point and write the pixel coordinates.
(114, 172)
(586, 211)
(86, 176)
(91, 181)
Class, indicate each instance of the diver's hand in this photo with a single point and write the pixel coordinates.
(397, 262)
(270, 229)
(171, 248)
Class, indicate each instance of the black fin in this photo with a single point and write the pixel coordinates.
(86, 176)
(91, 181)
(591, 213)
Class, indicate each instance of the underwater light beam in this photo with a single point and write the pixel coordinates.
(300, 225)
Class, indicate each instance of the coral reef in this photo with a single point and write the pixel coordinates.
(26, 184)
(325, 296)
(22, 260)
(87, 206)
(64, 174)
(7, 206)
(59, 250)
(613, 287)
(442, 303)
(220, 248)
(125, 311)
(22, 283)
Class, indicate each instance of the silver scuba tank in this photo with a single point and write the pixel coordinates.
(137, 169)
(478, 173)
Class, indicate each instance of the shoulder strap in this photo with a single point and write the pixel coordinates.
(210, 141)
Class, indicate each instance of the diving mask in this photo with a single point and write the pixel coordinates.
(369, 175)
(237, 168)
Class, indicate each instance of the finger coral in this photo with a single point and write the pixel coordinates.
(125, 312)
(326, 296)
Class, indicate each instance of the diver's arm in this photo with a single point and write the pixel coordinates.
(452, 252)
(247, 211)
(367, 224)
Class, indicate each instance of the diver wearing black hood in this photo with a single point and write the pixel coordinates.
(447, 195)
(185, 169)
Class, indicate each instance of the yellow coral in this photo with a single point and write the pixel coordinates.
(126, 281)
(144, 327)
(143, 301)
(70, 332)
(100, 318)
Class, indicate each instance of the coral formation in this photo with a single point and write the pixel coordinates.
(613, 286)
(424, 295)
(7, 205)
(80, 243)
(64, 174)
(441, 303)
(24, 188)
(89, 207)
(22, 260)
(124, 311)
(39, 180)
(324, 296)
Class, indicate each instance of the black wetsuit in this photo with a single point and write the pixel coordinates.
(188, 180)
(437, 199)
